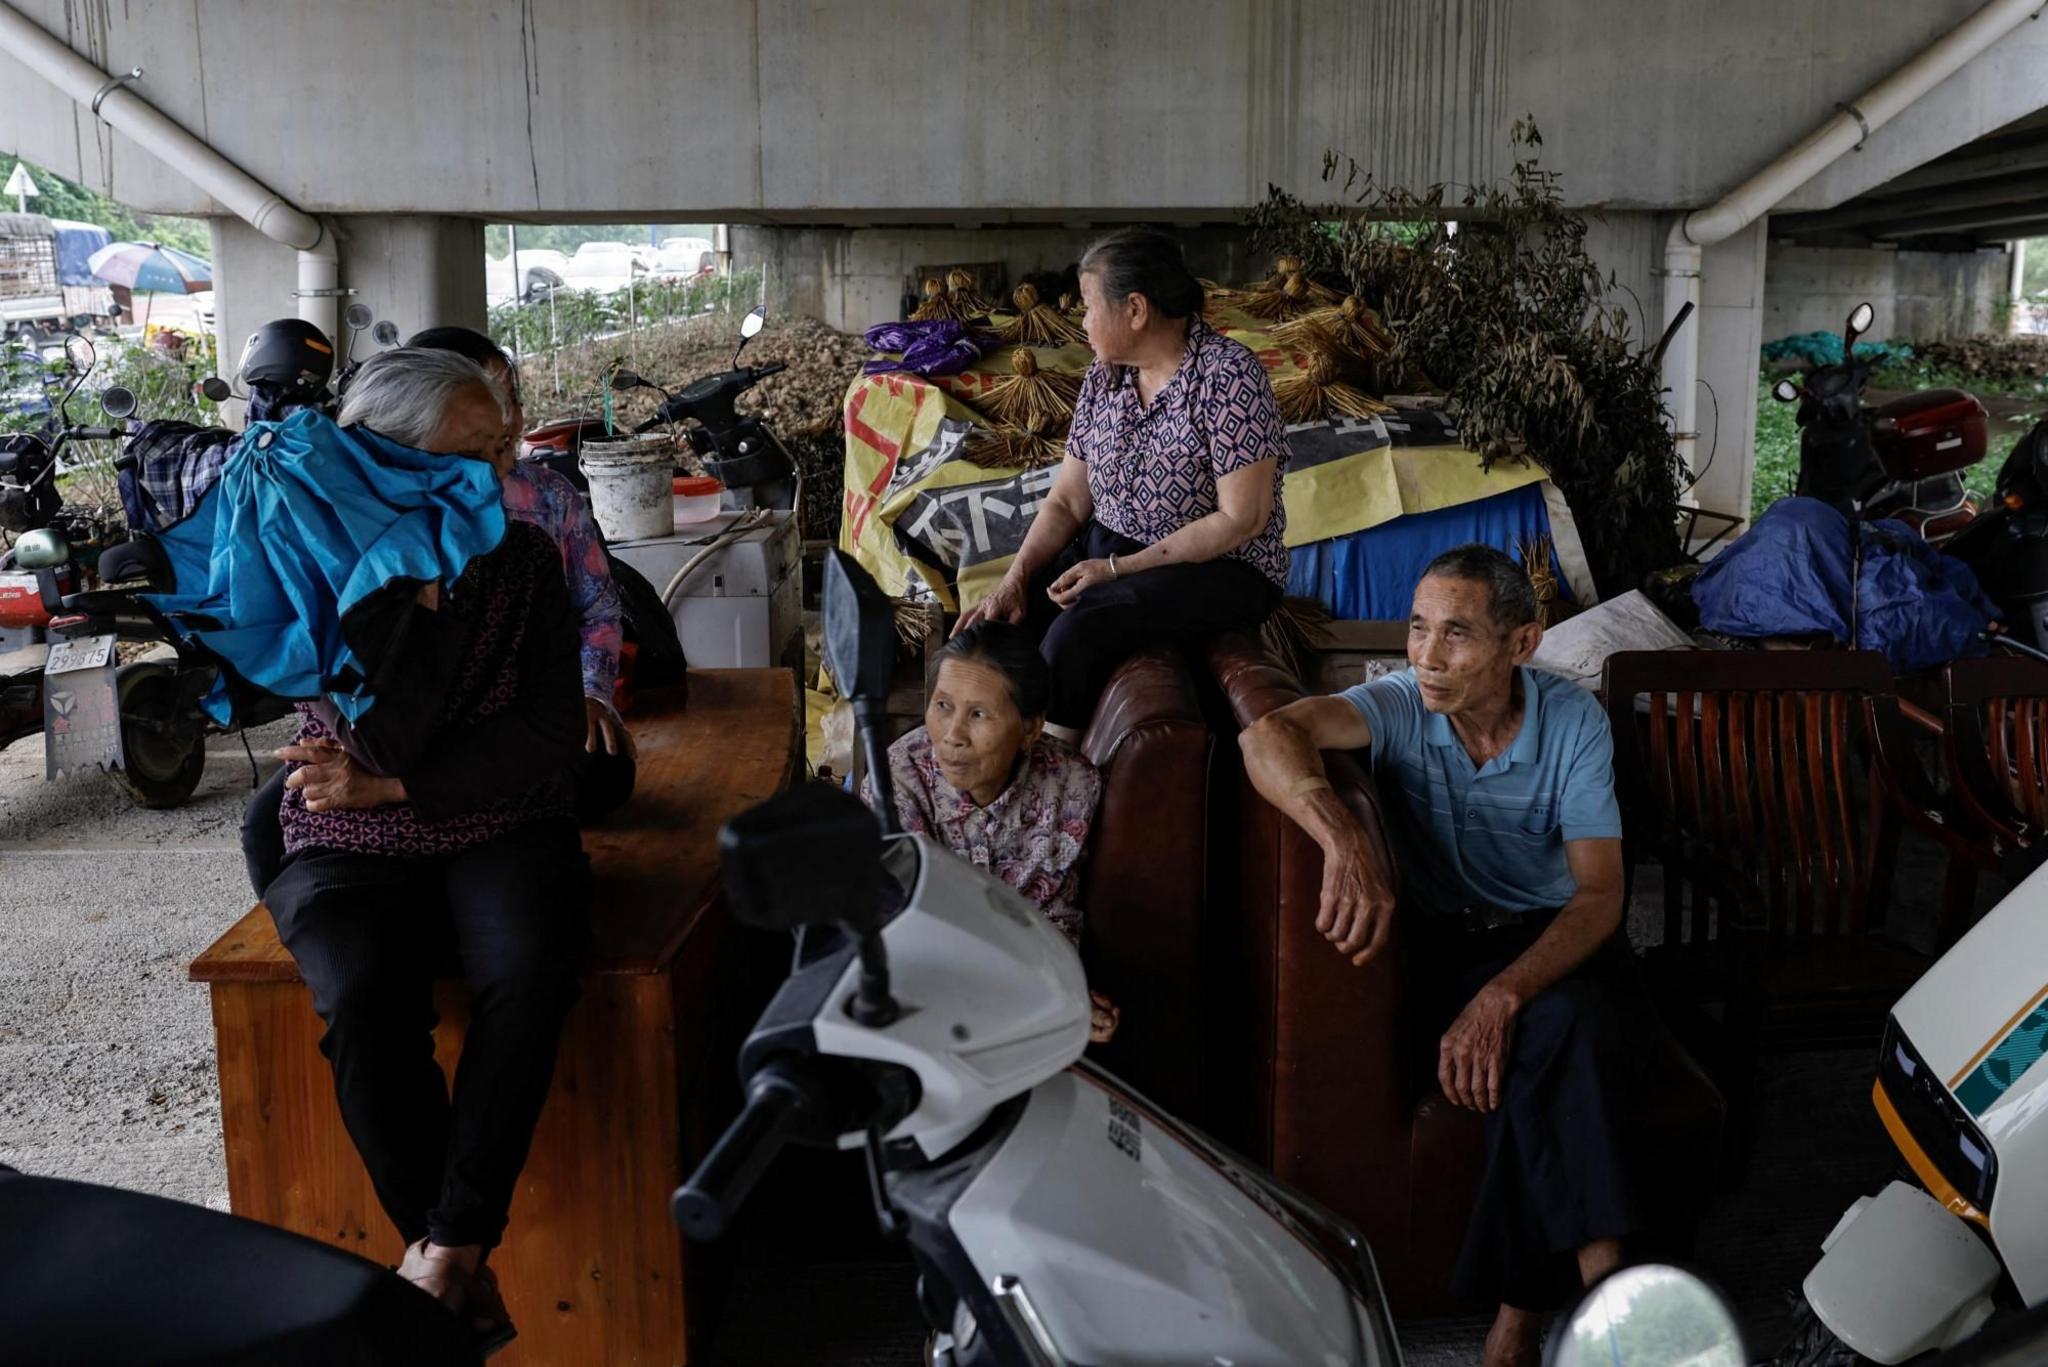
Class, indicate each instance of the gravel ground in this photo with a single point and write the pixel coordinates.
(106, 1051)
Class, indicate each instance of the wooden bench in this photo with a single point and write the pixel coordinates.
(592, 1268)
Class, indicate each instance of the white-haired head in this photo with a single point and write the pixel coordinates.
(404, 393)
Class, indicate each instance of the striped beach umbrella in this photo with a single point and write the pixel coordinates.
(151, 268)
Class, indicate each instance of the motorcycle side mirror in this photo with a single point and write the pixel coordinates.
(750, 327)
(45, 548)
(119, 402)
(623, 380)
(1859, 323)
(358, 316)
(215, 389)
(385, 333)
(810, 856)
(116, 312)
(1650, 1316)
(1785, 391)
(860, 631)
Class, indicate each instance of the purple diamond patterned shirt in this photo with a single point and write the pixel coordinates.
(1153, 469)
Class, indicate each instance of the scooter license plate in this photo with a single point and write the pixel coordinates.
(80, 652)
(81, 707)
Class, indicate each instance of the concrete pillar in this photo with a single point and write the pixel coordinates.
(1730, 321)
(416, 270)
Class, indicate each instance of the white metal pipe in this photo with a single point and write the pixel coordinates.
(1763, 191)
(246, 197)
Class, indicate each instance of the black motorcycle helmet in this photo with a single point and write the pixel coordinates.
(289, 353)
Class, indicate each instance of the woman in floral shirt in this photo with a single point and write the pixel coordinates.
(983, 779)
(1165, 521)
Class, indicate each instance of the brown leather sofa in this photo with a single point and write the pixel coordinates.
(1143, 887)
(1318, 1051)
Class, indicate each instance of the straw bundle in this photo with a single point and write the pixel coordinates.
(936, 304)
(1317, 393)
(1038, 323)
(1012, 448)
(1033, 399)
(966, 300)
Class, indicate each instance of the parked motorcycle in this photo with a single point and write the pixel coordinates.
(1902, 460)
(738, 448)
(1054, 1215)
(1961, 1090)
(2006, 546)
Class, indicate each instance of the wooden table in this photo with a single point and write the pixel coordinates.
(592, 1267)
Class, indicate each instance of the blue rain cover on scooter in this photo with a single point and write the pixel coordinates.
(307, 520)
(1804, 569)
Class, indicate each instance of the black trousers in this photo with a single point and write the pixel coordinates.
(1557, 1172)
(605, 783)
(1111, 622)
(370, 934)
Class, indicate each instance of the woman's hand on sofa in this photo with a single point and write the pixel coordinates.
(1103, 1018)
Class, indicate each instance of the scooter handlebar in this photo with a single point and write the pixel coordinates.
(762, 372)
(704, 1206)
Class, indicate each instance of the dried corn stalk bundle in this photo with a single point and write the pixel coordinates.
(1038, 323)
(966, 300)
(1031, 398)
(1294, 632)
(914, 622)
(1073, 306)
(1012, 448)
(1319, 393)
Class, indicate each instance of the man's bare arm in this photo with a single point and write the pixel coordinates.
(1282, 757)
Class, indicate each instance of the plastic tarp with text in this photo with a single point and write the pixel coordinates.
(918, 513)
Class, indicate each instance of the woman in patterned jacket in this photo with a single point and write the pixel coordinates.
(983, 778)
(1165, 521)
(441, 826)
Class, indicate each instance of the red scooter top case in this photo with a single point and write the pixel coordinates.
(1923, 435)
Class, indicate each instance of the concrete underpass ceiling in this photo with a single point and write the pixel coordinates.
(1989, 191)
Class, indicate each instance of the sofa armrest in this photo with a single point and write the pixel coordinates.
(1332, 1106)
(1143, 887)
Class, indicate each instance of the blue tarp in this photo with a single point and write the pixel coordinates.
(1370, 576)
(76, 242)
(307, 521)
(1804, 569)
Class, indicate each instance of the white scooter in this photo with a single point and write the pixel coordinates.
(1055, 1216)
(1963, 1093)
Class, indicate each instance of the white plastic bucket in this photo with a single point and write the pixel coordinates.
(629, 487)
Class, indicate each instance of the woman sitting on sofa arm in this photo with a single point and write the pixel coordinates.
(983, 778)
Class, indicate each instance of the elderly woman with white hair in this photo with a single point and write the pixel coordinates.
(440, 826)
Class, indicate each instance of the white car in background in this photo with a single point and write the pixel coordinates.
(685, 257)
(540, 270)
(605, 267)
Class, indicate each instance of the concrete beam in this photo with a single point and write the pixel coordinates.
(2006, 159)
(1964, 220)
(1924, 204)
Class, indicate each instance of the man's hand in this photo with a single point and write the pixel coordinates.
(1077, 580)
(601, 727)
(1472, 1061)
(1357, 907)
(332, 782)
(1004, 603)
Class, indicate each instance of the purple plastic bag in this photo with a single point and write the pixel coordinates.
(903, 336)
(947, 348)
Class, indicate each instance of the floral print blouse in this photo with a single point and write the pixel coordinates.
(536, 494)
(1032, 836)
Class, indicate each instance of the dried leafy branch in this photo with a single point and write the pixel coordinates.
(1490, 293)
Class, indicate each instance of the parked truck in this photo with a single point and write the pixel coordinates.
(47, 286)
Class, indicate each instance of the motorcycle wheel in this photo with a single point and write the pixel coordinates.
(163, 754)
(1813, 1344)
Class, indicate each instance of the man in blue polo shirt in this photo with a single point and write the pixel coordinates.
(1497, 786)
